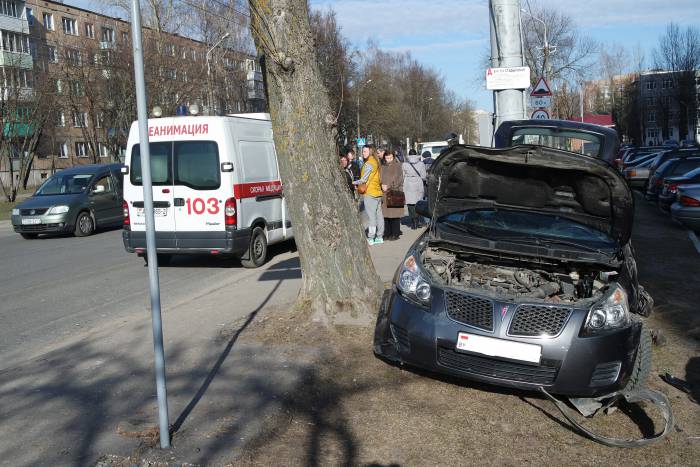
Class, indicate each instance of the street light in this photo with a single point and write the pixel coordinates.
(210, 95)
(546, 49)
(358, 107)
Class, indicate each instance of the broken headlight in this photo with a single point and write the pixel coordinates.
(412, 284)
(611, 312)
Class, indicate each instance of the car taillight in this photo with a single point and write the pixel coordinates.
(230, 211)
(690, 202)
(125, 208)
(673, 187)
(618, 163)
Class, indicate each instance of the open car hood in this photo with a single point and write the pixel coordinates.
(535, 179)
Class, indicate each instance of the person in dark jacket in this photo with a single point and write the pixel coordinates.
(347, 173)
(427, 159)
(353, 165)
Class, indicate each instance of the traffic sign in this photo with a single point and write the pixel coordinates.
(360, 141)
(537, 102)
(540, 114)
(517, 77)
(541, 88)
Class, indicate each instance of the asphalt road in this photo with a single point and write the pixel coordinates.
(54, 287)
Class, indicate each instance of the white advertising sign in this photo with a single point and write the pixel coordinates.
(507, 78)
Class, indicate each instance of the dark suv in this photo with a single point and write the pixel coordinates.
(526, 277)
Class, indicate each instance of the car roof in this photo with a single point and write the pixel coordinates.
(89, 168)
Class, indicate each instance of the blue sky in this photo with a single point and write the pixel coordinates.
(453, 35)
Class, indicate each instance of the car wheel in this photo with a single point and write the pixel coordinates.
(642, 362)
(29, 236)
(84, 225)
(257, 250)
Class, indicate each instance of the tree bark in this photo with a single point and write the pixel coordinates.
(339, 280)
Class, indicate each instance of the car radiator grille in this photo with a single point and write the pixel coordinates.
(484, 366)
(34, 228)
(33, 212)
(539, 320)
(470, 310)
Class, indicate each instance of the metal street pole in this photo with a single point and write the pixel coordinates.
(153, 282)
(359, 88)
(506, 51)
(210, 93)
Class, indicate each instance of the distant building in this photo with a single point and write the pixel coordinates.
(45, 38)
(661, 117)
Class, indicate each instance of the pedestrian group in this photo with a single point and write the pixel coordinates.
(385, 185)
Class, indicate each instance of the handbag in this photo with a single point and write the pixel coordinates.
(395, 199)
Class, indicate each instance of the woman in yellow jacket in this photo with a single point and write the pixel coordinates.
(372, 197)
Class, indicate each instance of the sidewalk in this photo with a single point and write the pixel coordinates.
(95, 394)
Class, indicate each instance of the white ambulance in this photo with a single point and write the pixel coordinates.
(216, 188)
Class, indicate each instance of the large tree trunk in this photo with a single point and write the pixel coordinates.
(339, 280)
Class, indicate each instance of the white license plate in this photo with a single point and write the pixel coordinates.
(499, 347)
(31, 221)
(158, 212)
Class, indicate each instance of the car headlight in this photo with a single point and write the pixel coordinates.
(58, 210)
(411, 282)
(611, 312)
(15, 212)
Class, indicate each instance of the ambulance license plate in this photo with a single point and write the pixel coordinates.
(499, 347)
(157, 212)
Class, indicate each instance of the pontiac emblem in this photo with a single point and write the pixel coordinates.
(504, 311)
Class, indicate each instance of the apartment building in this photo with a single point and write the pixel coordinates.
(661, 117)
(69, 49)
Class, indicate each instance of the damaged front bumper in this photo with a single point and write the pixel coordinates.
(570, 364)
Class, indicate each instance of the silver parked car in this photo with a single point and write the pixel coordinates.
(77, 200)
(638, 175)
(686, 209)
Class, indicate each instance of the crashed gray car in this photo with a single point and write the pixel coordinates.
(526, 277)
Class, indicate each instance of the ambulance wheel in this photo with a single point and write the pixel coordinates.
(257, 250)
(84, 226)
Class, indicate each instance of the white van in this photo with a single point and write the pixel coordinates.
(216, 188)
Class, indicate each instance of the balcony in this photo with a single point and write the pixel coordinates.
(16, 60)
(108, 45)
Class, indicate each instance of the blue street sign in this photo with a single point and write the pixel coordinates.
(360, 141)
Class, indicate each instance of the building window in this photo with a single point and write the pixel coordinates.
(48, 21)
(76, 89)
(170, 49)
(61, 119)
(81, 149)
(650, 101)
(15, 42)
(62, 150)
(125, 37)
(30, 16)
(651, 117)
(16, 78)
(667, 83)
(44, 175)
(80, 119)
(89, 30)
(99, 120)
(194, 55)
(651, 84)
(652, 133)
(59, 86)
(107, 34)
(70, 26)
(666, 100)
(73, 56)
(104, 150)
(9, 8)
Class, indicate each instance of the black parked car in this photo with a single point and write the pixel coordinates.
(77, 200)
(526, 277)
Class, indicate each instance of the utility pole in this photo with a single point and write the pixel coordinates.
(506, 51)
(210, 94)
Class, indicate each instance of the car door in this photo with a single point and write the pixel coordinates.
(163, 199)
(103, 200)
(198, 195)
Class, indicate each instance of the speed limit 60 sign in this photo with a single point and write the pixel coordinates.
(540, 114)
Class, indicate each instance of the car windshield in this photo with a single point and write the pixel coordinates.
(65, 184)
(516, 225)
(567, 140)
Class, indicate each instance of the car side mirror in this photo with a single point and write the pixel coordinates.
(423, 209)
(98, 189)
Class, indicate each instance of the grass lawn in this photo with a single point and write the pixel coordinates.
(6, 209)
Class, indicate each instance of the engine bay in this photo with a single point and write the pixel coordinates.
(511, 279)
